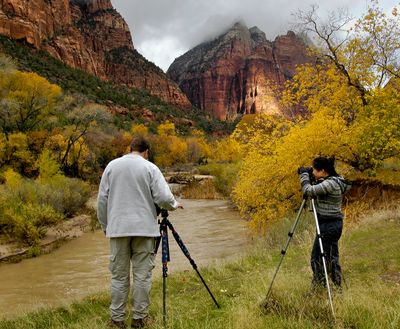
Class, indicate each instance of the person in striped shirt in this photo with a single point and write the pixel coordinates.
(327, 188)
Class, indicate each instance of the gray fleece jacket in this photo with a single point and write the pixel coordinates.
(129, 188)
(328, 194)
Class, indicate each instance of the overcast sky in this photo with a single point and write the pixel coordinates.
(165, 29)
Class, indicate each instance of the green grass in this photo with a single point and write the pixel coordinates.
(370, 299)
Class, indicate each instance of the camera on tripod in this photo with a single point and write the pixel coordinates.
(161, 211)
(164, 213)
(309, 171)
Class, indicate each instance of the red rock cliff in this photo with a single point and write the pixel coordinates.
(90, 35)
(238, 72)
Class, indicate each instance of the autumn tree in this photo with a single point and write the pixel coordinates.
(350, 111)
(48, 167)
(198, 149)
(354, 68)
(26, 100)
(366, 53)
(16, 154)
(139, 129)
(166, 128)
(70, 140)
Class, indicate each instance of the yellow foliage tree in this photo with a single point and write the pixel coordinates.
(17, 153)
(80, 122)
(268, 185)
(227, 150)
(26, 100)
(13, 179)
(171, 150)
(139, 129)
(48, 167)
(198, 149)
(345, 112)
(166, 129)
(375, 135)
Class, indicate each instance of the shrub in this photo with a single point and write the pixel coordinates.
(225, 175)
(26, 222)
(27, 207)
(66, 195)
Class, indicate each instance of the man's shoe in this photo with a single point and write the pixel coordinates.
(116, 324)
(141, 323)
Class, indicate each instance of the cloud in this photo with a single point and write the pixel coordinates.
(160, 49)
(165, 29)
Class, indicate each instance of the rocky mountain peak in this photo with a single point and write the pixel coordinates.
(238, 72)
(257, 35)
(90, 35)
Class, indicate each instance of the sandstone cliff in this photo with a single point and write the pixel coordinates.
(90, 35)
(238, 72)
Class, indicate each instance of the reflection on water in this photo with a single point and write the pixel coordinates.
(210, 230)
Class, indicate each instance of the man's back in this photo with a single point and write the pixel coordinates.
(129, 187)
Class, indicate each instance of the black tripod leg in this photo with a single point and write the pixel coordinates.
(192, 262)
(164, 300)
(283, 251)
(205, 285)
(165, 259)
(323, 256)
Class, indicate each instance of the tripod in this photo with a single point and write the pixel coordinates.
(165, 257)
(283, 251)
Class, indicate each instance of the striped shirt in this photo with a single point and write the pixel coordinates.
(328, 194)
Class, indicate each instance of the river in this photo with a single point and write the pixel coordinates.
(210, 229)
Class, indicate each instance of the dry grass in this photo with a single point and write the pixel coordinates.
(364, 211)
(204, 189)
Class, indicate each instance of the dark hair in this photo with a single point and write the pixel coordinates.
(140, 144)
(327, 164)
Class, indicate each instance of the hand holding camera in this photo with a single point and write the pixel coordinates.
(303, 170)
(309, 171)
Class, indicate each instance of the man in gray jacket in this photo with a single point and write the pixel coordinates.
(129, 189)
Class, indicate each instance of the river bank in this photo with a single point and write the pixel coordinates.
(211, 230)
(56, 236)
(369, 298)
(182, 184)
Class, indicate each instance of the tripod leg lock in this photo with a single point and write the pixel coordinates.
(283, 252)
(290, 234)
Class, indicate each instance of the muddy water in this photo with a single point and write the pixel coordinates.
(210, 229)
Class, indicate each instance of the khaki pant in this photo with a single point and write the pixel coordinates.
(138, 252)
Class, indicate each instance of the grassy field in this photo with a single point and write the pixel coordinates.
(370, 256)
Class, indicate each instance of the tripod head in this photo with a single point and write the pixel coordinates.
(164, 213)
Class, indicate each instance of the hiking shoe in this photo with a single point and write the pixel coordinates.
(141, 323)
(116, 324)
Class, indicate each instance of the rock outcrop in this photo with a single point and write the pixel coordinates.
(90, 35)
(238, 72)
